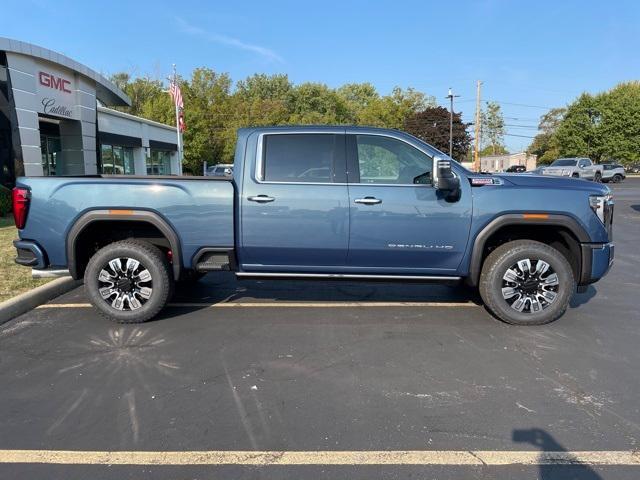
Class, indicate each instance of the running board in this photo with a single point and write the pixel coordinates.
(349, 276)
(49, 273)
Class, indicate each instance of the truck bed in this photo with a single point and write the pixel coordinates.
(199, 208)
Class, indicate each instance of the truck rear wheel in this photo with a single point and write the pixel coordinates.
(128, 281)
(526, 283)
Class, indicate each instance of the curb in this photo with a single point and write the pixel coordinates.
(26, 301)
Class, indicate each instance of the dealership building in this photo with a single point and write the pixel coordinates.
(55, 120)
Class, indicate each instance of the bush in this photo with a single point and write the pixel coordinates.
(5, 201)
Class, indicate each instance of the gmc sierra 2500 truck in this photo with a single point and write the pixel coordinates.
(322, 202)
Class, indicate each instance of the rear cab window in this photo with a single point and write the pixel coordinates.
(303, 158)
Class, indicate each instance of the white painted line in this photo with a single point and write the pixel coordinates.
(267, 458)
(286, 304)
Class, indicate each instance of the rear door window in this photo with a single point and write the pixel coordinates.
(308, 158)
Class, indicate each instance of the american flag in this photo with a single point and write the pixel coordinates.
(176, 95)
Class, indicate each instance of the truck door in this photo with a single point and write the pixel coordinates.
(399, 222)
(295, 203)
(586, 168)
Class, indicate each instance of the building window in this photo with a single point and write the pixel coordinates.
(159, 162)
(117, 160)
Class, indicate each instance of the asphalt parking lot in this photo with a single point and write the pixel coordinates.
(354, 368)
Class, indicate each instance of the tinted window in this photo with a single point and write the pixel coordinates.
(564, 162)
(387, 160)
(300, 157)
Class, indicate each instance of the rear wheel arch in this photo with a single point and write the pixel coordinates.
(566, 236)
(133, 220)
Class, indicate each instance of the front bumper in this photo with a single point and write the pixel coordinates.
(597, 259)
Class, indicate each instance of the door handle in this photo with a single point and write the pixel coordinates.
(368, 200)
(261, 199)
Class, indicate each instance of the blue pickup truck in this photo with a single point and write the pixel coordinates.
(322, 202)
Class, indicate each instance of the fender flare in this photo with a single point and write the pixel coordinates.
(566, 221)
(122, 215)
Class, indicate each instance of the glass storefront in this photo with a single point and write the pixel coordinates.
(117, 160)
(159, 162)
(7, 173)
(51, 149)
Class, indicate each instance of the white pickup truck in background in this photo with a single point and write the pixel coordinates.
(576, 168)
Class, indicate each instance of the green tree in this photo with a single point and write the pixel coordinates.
(544, 144)
(603, 127)
(491, 150)
(432, 126)
(493, 127)
(215, 108)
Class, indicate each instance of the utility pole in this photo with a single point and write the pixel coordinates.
(476, 155)
(451, 97)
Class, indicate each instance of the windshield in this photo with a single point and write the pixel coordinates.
(564, 162)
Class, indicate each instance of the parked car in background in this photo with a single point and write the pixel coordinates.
(516, 169)
(613, 172)
(635, 168)
(575, 168)
(535, 171)
(220, 170)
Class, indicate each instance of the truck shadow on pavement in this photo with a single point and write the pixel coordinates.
(580, 299)
(572, 470)
(224, 287)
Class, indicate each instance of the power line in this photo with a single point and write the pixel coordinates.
(520, 104)
(521, 136)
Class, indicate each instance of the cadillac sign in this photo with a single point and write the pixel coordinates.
(55, 90)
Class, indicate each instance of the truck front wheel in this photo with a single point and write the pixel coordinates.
(524, 282)
(128, 281)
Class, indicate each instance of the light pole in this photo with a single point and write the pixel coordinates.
(451, 96)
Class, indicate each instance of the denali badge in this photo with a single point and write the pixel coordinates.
(421, 246)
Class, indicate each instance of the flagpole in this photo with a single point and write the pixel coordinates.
(175, 104)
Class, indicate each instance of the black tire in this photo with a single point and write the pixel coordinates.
(575, 175)
(617, 178)
(597, 177)
(150, 259)
(507, 256)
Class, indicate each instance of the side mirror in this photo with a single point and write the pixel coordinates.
(445, 179)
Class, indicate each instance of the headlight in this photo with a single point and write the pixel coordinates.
(601, 206)
(566, 173)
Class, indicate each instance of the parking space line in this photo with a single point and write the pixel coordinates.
(285, 304)
(267, 458)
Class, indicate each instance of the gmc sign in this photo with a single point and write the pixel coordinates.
(51, 81)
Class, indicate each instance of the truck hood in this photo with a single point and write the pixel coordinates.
(544, 181)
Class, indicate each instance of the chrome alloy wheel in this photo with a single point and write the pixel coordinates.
(125, 284)
(530, 286)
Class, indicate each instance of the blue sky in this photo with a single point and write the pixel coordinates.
(535, 53)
